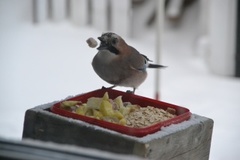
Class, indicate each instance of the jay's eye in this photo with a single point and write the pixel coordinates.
(114, 40)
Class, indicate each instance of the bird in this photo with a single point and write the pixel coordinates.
(120, 64)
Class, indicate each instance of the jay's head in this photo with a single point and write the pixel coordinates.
(111, 42)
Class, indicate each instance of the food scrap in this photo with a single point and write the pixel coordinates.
(92, 42)
(119, 112)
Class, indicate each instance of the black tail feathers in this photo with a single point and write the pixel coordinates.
(155, 66)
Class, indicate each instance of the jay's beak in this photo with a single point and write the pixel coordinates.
(100, 39)
(103, 45)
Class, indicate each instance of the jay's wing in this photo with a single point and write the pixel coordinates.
(137, 61)
(140, 62)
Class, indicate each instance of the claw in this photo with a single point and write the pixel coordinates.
(132, 92)
(128, 91)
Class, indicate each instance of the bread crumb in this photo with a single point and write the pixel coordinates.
(92, 42)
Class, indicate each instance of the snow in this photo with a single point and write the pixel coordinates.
(50, 61)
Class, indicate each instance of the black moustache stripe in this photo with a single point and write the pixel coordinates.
(113, 50)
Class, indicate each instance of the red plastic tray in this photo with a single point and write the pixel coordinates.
(182, 113)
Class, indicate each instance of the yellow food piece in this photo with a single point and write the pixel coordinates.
(111, 119)
(102, 108)
(97, 114)
(123, 121)
(89, 112)
(118, 114)
(106, 108)
(133, 107)
(94, 102)
(82, 110)
(105, 96)
(125, 110)
(119, 101)
(69, 103)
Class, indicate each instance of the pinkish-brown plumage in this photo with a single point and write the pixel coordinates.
(120, 64)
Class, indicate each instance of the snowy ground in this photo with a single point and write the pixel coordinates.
(47, 62)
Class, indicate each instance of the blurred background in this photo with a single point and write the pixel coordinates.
(44, 56)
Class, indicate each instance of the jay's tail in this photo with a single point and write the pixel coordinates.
(156, 66)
